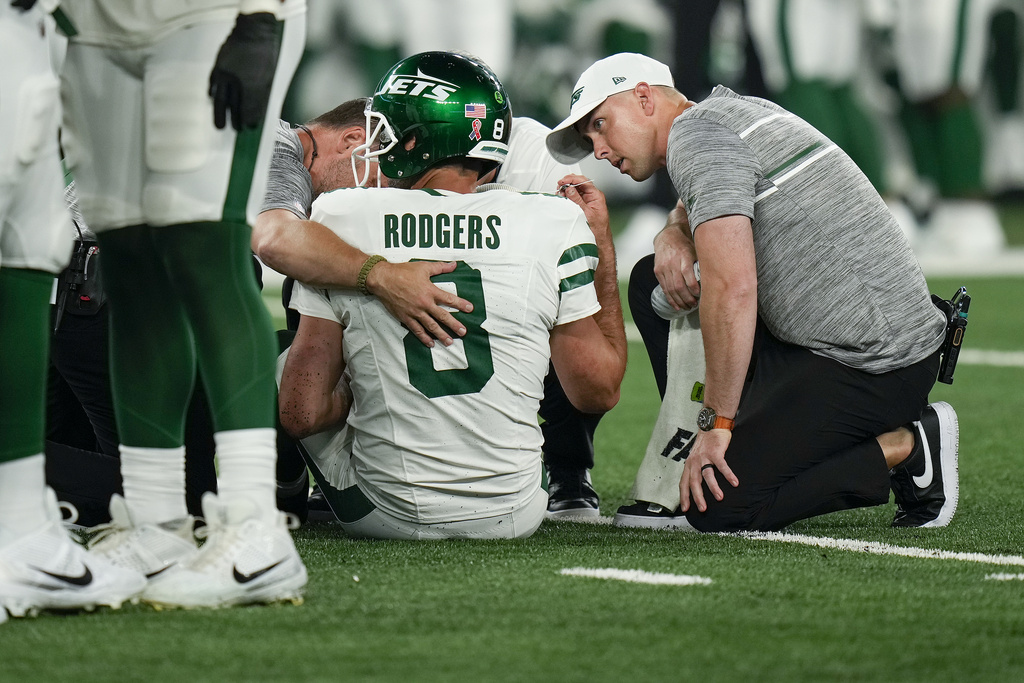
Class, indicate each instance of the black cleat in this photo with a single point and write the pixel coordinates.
(644, 515)
(926, 485)
(570, 494)
(319, 509)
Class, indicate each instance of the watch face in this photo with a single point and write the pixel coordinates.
(705, 419)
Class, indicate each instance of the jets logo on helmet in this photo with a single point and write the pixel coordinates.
(417, 86)
(432, 107)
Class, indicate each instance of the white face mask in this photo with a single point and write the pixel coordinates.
(381, 130)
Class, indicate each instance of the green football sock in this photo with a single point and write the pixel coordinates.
(961, 144)
(184, 296)
(152, 356)
(25, 341)
(236, 348)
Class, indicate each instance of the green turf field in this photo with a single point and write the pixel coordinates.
(501, 611)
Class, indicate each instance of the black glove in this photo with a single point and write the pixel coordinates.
(23, 4)
(244, 72)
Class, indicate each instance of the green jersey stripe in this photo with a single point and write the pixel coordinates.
(578, 280)
(579, 251)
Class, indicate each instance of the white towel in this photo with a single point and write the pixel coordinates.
(657, 480)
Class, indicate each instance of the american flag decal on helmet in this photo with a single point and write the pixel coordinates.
(476, 111)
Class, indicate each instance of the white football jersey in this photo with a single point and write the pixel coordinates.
(530, 166)
(451, 432)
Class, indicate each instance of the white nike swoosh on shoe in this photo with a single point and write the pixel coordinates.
(924, 480)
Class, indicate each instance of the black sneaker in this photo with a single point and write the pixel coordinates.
(570, 494)
(926, 485)
(319, 510)
(644, 515)
(291, 497)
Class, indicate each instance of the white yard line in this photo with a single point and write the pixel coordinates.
(870, 547)
(876, 548)
(1005, 577)
(999, 359)
(638, 576)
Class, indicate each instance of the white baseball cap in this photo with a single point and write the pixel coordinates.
(605, 77)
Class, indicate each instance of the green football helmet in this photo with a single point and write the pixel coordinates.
(452, 103)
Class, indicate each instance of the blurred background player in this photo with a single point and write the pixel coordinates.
(40, 566)
(941, 54)
(170, 188)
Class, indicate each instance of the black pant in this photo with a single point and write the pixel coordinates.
(804, 442)
(653, 328)
(568, 432)
(80, 408)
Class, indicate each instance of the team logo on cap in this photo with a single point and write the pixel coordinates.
(575, 97)
(618, 79)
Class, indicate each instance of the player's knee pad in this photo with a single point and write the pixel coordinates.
(36, 108)
(178, 118)
(186, 180)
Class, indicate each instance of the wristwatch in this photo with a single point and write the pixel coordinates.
(708, 419)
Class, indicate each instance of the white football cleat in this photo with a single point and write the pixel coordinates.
(149, 549)
(245, 560)
(46, 569)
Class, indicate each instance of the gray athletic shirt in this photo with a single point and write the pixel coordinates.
(835, 274)
(288, 185)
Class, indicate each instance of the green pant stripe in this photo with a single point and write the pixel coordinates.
(787, 54)
(243, 166)
(961, 37)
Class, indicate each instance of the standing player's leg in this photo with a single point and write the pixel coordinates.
(152, 370)
(40, 566)
(207, 255)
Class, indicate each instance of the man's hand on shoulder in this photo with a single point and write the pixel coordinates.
(581, 190)
(425, 309)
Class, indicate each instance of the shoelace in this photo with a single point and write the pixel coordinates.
(69, 520)
(101, 532)
(220, 538)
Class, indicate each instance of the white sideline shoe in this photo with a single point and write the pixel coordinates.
(46, 569)
(245, 560)
(149, 549)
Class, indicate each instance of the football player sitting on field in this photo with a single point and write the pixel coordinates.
(411, 441)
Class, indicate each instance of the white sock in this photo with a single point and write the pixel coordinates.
(154, 483)
(23, 505)
(247, 468)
